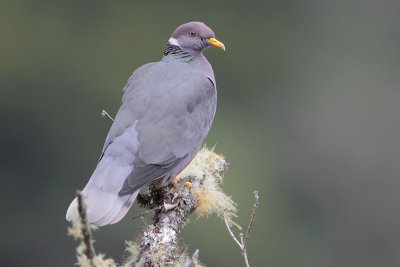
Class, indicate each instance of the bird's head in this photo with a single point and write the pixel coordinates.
(194, 36)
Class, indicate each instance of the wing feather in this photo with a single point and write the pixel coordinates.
(174, 123)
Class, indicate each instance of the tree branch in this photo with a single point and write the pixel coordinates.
(173, 204)
(86, 231)
(197, 188)
(231, 233)
(253, 215)
(243, 240)
(105, 114)
(190, 262)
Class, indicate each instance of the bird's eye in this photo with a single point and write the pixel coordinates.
(192, 34)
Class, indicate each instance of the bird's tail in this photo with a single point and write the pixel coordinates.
(104, 206)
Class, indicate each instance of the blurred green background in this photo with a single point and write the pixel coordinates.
(308, 114)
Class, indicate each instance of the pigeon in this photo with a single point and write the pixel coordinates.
(166, 113)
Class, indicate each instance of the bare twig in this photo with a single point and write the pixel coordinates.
(243, 239)
(231, 233)
(244, 250)
(105, 114)
(145, 212)
(86, 232)
(253, 215)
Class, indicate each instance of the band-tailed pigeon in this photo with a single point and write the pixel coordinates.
(167, 110)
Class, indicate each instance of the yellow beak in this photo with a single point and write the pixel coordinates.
(216, 43)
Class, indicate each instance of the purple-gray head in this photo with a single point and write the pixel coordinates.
(194, 36)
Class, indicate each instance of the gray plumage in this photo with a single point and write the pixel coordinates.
(166, 113)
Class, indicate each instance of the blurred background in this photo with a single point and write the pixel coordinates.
(308, 114)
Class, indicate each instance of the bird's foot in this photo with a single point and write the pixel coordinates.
(159, 184)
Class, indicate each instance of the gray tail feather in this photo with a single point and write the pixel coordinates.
(103, 204)
(103, 208)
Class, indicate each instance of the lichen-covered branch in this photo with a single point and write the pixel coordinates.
(81, 231)
(85, 230)
(192, 261)
(196, 189)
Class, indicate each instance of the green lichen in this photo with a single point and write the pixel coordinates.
(209, 166)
